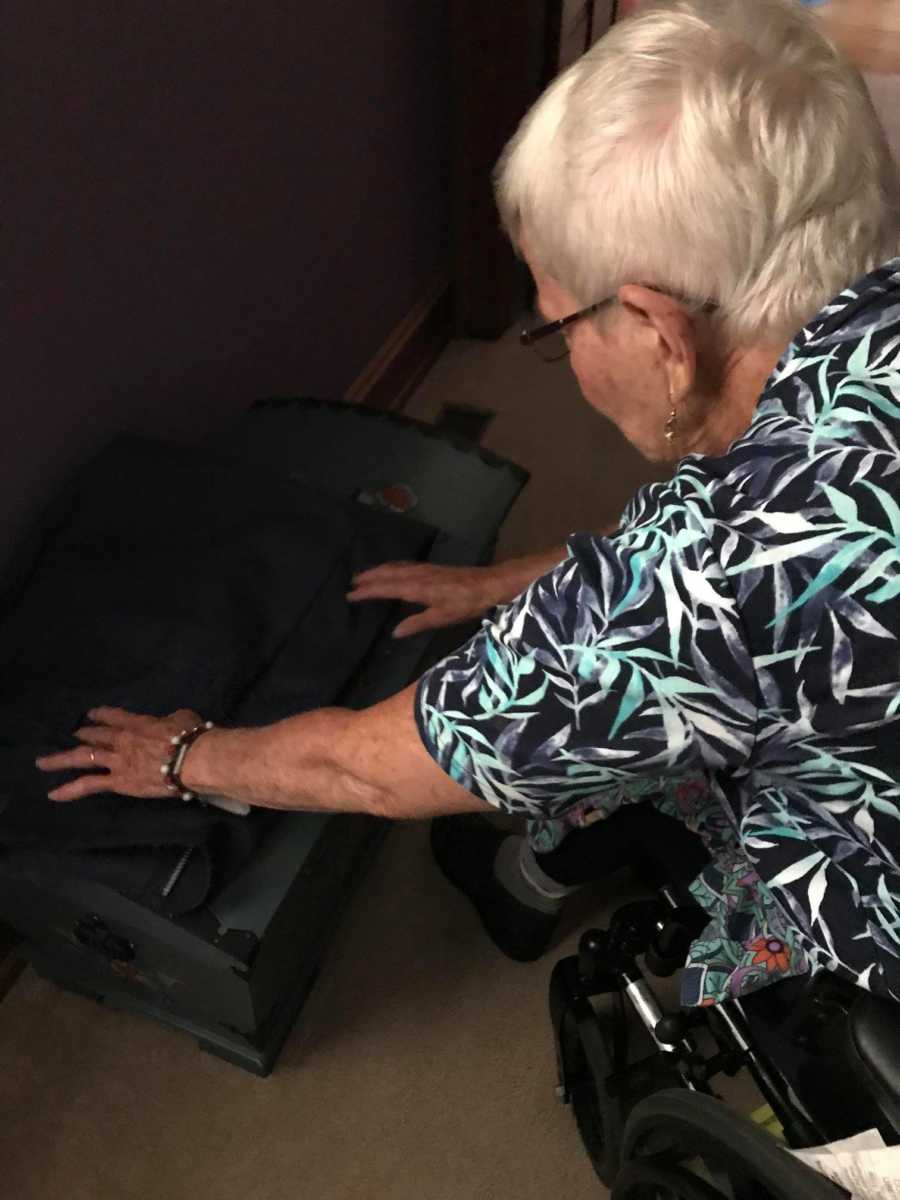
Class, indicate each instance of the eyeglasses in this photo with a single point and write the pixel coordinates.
(548, 341)
(551, 344)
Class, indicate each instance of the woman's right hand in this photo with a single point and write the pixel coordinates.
(448, 595)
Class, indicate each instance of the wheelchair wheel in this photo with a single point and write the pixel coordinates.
(587, 1050)
(643, 1181)
(681, 1145)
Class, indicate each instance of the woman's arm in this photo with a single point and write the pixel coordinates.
(334, 760)
(331, 760)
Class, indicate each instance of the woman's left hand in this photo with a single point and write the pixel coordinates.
(122, 751)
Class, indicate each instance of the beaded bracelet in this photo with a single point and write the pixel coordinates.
(171, 768)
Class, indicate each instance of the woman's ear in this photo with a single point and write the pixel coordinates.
(674, 333)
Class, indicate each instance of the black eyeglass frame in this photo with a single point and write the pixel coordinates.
(528, 337)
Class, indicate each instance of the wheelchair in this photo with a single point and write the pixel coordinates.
(642, 1079)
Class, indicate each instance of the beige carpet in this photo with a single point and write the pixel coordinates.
(422, 1067)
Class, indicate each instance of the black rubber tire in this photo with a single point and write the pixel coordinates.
(599, 1113)
(644, 1181)
(675, 1125)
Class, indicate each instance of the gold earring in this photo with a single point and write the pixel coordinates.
(671, 426)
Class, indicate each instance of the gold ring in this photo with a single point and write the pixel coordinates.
(93, 759)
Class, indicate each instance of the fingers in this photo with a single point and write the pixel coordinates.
(118, 718)
(85, 785)
(388, 590)
(81, 758)
(121, 753)
(386, 570)
(186, 718)
(430, 619)
(393, 576)
(413, 583)
(100, 736)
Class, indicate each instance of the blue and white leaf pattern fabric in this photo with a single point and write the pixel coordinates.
(733, 654)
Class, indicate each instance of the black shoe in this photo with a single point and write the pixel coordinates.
(465, 848)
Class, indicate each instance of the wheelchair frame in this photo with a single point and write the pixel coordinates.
(789, 1054)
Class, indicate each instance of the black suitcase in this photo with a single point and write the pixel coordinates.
(235, 973)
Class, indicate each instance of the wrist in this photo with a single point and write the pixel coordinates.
(180, 746)
(515, 575)
(198, 771)
(505, 581)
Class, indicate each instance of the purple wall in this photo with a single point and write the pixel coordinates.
(212, 200)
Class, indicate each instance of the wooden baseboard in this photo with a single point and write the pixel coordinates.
(394, 372)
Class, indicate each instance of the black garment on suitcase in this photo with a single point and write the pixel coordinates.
(164, 578)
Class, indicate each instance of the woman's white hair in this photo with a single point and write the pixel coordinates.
(722, 150)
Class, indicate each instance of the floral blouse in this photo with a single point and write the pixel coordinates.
(732, 653)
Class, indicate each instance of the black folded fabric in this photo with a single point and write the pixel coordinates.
(164, 578)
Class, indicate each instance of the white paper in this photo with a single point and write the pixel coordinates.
(237, 807)
(870, 1140)
(862, 1164)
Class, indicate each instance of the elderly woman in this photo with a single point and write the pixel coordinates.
(708, 181)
